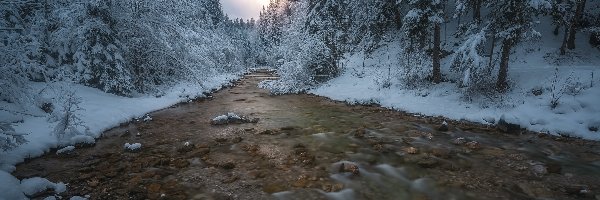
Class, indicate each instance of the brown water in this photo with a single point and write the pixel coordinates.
(297, 149)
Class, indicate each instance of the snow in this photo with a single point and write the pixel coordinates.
(31, 186)
(101, 111)
(132, 147)
(532, 66)
(7, 187)
(82, 139)
(65, 150)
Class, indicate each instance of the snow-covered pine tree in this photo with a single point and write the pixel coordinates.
(512, 21)
(102, 52)
(568, 14)
(471, 65)
(423, 21)
(371, 21)
(328, 21)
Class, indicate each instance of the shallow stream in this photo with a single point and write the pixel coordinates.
(309, 147)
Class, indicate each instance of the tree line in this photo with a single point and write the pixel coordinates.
(336, 27)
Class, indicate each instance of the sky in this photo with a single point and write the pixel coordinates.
(245, 9)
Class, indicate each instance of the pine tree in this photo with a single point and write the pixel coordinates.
(424, 16)
(513, 21)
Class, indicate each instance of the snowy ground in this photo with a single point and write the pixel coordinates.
(100, 111)
(532, 67)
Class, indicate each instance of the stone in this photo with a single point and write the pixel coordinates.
(474, 145)
(187, 147)
(360, 133)
(539, 170)
(349, 167)
(443, 127)
(507, 127)
(411, 150)
(301, 182)
(576, 189)
(459, 141)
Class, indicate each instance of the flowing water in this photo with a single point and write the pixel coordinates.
(308, 147)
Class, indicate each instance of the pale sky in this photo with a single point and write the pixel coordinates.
(245, 9)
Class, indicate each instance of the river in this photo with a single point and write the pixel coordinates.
(309, 147)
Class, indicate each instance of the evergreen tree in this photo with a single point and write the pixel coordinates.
(424, 16)
(513, 22)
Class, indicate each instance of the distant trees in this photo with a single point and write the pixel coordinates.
(568, 13)
(124, 47)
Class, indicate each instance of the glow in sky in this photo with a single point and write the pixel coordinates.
(245, 9)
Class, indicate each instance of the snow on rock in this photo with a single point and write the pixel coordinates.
(65, 150)
(147, 118)
(31, 186)
(221, 119)
(508, 124)
(83, 139)
(7, 187)
(133, 147)
(80, 198)
(231, 118)
(443, 126)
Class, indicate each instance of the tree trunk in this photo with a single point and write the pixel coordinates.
(437, 76)
(563, 46)
(477, 10)
(501, 84)
(492, 52)
(575, 23)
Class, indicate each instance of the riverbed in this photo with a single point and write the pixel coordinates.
(309, 147)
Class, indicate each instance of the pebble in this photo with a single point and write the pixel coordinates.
(459, 141)
(411, 150)
(473, 145)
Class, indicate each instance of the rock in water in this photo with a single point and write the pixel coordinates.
(459, 141)
(443, 127)
(349, 167)
(506, 126)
